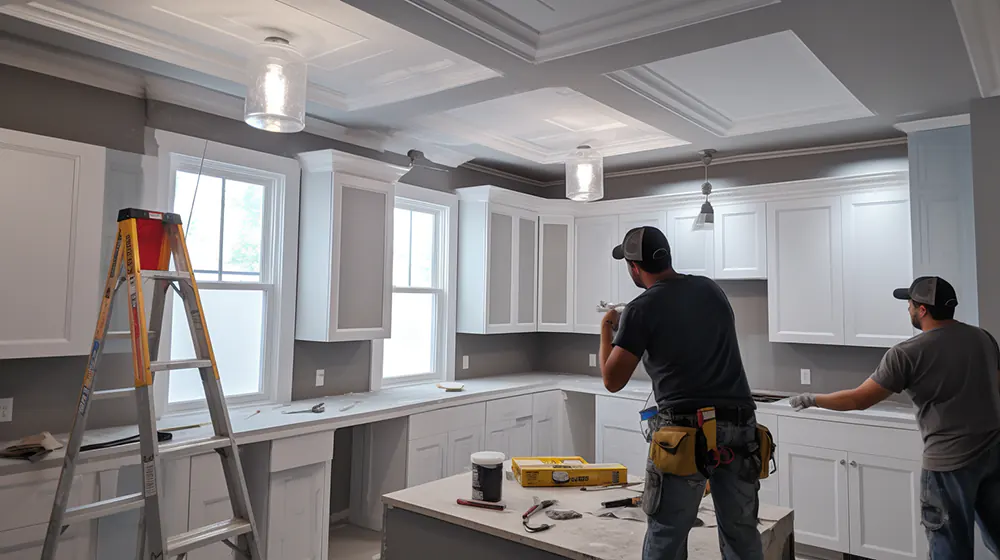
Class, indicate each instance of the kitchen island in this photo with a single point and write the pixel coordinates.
(425, 522)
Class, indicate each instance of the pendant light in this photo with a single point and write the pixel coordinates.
(585, 175)
(706, 218)
(276, 87)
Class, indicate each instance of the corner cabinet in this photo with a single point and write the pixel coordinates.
(497, 266)
(53, 203)
(596, 276)
(345, 247)
(555, 273)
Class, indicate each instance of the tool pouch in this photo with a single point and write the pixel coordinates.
(673, 450)
(765, 452)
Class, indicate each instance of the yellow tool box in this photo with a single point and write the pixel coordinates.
(566, 471)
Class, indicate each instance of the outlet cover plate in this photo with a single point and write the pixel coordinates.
(7, 409)
(593, 360)
(465, 362)
(806, 376)
(320, 377)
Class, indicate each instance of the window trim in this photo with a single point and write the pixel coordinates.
(281, 215)
(446, 205)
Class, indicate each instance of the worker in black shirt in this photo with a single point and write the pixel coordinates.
(682, 327)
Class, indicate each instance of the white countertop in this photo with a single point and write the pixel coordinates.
(362, 408)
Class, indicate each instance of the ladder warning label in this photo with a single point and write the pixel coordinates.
(148, 477)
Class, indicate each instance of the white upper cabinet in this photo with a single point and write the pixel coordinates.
(51, 212)
(596, 275)
(740, 237)
(693, 251)
(555, 273)
(877, 259)
(345, 247)
(805, 293)
(627, 290)
(497, 267)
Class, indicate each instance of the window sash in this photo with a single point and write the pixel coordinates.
(437, 244)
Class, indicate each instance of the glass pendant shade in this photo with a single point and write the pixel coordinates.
(276, 88)
(706, 218)
(585, 175)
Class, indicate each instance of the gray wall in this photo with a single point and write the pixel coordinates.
(985, 122)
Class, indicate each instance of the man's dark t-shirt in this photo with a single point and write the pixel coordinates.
(685, 331)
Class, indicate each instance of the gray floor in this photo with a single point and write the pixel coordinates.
(350, 542)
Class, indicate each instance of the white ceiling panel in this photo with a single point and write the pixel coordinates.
(356, 60)
(543, 30)
(543, 126)
(765, 83)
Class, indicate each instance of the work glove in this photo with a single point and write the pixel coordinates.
(805, 400)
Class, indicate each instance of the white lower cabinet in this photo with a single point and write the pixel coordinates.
(550, 425)
(440, 442)
(426, 459)
(619, 434)
(814, 484)
(462, 443)
(299, 511)
(508, 426)
(885, 507)
(77, 543)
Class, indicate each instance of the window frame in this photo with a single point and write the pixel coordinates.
(445, 207)
(279, 256)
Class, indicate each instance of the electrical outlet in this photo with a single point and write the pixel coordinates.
(593, 360)
(806, 376)
(465, 362)
(7, 410)
(320, 377)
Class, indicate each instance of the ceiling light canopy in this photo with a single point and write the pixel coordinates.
(276, 87)
(706, 218)
(585, 175)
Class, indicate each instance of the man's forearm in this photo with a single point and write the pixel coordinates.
(607, 335)
(841, 400)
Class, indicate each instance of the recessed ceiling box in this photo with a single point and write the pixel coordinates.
(766, 83)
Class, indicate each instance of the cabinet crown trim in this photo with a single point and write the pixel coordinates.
(336, 161)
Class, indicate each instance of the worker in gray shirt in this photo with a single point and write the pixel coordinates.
(683, 329)
(951, 371)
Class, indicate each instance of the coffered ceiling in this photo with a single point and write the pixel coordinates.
(516, 84)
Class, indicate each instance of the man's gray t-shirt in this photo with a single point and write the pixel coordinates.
(684, 330)
(951, 375)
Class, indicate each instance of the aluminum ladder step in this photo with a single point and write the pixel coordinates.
(179, 364)
(118, 335)
(216, 532)
(103, 508)
(194, 447)
(113, 393)
(171, 275)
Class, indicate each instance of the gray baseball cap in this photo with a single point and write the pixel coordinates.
(929, 290)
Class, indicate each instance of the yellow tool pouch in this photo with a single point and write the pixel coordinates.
(766, 449)
(672, 450)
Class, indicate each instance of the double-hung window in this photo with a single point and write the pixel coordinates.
(239, 212)
(421, 345)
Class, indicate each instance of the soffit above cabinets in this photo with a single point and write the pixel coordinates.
(766, 83)
(543, 30)
(543, 126)
(355, 60)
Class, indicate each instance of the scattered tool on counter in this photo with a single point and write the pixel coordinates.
(32, 448)
(609, 486)
(254, 413)
(350, 406)
(623, 502)
(315, 409)
(481, 504)
(563, 514)
(451, 386)
(161, 436)
(566, 471)
(540, 505)
(185, 427)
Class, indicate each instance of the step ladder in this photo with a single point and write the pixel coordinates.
(145, 243)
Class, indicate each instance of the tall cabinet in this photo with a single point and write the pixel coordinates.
(51, 212)
(345, 247)
(597, 275)
(555, 272)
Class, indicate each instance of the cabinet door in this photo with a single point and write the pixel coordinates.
(209, 503)
(805, 293)
(510, 437)
(877, 259)
(500, 287)
(549, 433)
(619, 434)
(53, 195)
(693, 251)
(770, 491)
(462, 443)
(814, 484)
(298, 513)
(596, 276)
(740, 241)
(526, 276)
(77, 543)
(885, 508)
(426, 459)
(555, 273)
(627, 290)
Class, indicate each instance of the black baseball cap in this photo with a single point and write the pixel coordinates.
(929, 290)
(647, 246)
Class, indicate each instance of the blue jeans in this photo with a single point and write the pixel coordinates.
(952, 502)
(735, 498)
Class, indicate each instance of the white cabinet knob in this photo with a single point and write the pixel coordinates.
(854, 464)
(843, 462)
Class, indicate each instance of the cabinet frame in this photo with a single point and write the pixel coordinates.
(567, 325)
(759, 271)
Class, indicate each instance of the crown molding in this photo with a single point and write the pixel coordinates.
(511, 176)
(910, 127)
(483, 20)
(335, 161)
(979, 21)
